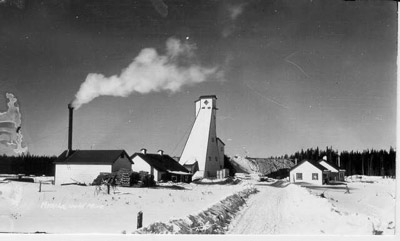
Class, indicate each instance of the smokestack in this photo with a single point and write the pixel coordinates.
(71, 112)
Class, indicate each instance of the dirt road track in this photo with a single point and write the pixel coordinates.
(282, 209)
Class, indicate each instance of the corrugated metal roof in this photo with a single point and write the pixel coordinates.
(91, 157)
(163, 163)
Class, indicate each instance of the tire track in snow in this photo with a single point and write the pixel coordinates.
(292, 210)
(267, 206)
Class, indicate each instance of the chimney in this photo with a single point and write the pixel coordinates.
(160, 152)
(71, 112)
(143, 151)
(295, 161)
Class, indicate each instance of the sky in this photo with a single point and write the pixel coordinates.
(287, 74)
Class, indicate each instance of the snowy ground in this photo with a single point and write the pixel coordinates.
(81, 209)
(283, 208)
(279, 207)
(370, 196)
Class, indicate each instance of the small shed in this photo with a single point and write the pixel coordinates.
(309, 172)
(84, 166)
(162, 166)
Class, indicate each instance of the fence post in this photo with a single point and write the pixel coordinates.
(108, 188)
(40, 186)
(139, 219)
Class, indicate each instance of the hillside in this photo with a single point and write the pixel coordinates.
(263, 166)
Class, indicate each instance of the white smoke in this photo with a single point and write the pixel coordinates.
(149, 72)
(234, 11)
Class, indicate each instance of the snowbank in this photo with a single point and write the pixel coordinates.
(36, 179)
(214, 220)
(370, 196)
(86, 209)
(368, 179)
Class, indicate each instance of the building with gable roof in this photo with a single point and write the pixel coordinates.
(309, 172)
(161, 166)
(83, 166)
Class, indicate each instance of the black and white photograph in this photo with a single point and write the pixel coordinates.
(210, 118)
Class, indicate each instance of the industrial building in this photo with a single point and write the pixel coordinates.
(83, 166)
(203, 154)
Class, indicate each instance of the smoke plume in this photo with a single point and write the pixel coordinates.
(149, 72)
(234, 11)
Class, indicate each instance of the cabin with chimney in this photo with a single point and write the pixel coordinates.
(161, 166)
(309, 172)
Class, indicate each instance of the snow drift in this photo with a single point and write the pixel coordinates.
(214, 220)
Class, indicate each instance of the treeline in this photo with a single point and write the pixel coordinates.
(27, 164)
(368, 162)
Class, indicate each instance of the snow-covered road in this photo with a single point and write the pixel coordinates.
(263, 214)
(281, 209)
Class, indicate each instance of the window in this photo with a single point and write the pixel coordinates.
(209, 158)
(212, 139)
(216, 159)
(315, 176)
(174, 178)
(299, 176)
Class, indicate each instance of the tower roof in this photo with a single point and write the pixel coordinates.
(206, 97)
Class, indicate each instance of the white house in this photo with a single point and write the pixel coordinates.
(84, 166)
(309, 172)
(162, 166)
(203, 153)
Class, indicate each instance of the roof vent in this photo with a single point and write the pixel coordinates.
(143, 151)
(160, 152)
